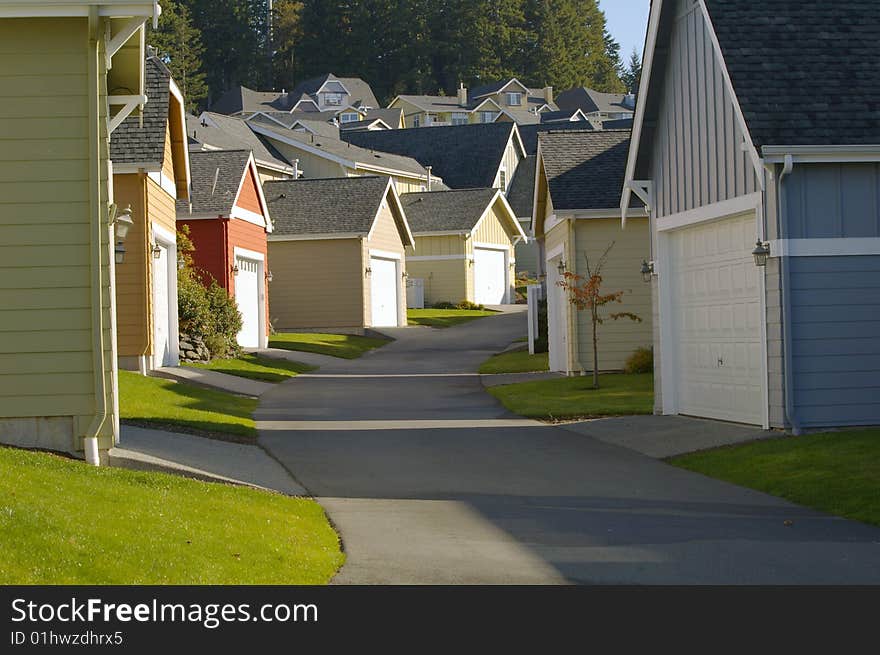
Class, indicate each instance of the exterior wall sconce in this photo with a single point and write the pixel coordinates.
(562, 267)
(235, 270)
(761, 253)
(156, 250)
(269, 276)
(404, 275)
(647, 270)
(121, 222)
(368, 271)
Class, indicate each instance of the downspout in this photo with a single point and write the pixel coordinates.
(781, 225)
(96, 214)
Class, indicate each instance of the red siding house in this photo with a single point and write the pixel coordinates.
(228, 221)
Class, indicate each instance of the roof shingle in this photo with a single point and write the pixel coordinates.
(446, 211)
(132, 143)
(216, 176)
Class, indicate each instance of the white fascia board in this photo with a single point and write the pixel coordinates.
(272, 166)
(164, 182)
(716, 210)
(244, 253)
(162, 235)
(138, 167)
(178, 95)
(316, 237)
(338, 81)
(479, 106)
(443, 233)
(395, 200)
(385, 254)
(80, 8)
(265, 115)
(833, 247)
(535, 186)
(434, 258)
(507, 210)
(821, 154)
(391, 172)
(642, 94)
(614, 213)
(263, 219)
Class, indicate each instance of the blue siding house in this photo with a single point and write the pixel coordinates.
(757, 131)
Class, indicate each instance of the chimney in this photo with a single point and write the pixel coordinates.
(152, 51)
(462, 95)
(548, 95)
(428, 168)
(296, 169)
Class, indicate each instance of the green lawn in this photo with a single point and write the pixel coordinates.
(65, 522)
(574, 398)
(519, 361)
(256, 367)
(444, 318)
(175, 405)
(347, 346)
(835, 472)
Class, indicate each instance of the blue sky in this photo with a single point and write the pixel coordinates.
(627, 22)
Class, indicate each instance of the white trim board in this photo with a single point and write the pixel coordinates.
(165, 183)
(435, 258)
(165, 236)
(557, 251)
(244, 253)
(843, 246)
(716, 210)
(315, 237)
(385, 254)
(490, 246)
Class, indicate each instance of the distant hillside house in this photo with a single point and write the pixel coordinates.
(595, 104)
(483, 104)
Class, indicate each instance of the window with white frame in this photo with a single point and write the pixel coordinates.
(502, 180)
(350, 117)
(416, 121)
(333, 98)
(459, 118)
(488, 116)
(514, 99)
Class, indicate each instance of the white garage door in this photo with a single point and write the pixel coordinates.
(383, 292)
(490, 276)
(247, 295)
(162, 355)
(717, 317)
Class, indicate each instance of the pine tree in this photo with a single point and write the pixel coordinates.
(632, 74)
(180, 46)
(286, 34)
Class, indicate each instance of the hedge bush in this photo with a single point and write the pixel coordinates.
(641, 361)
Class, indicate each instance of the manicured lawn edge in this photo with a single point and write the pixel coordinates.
(257, 367)
(572, 398)
(516, 361)
(833, 472)
(344, 346)
(65, 522)
(445, 318)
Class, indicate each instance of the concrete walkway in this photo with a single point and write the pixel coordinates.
(312, 359)
(204, 459)
(430, 480)
(215, 380)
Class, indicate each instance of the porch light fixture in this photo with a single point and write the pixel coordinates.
(269, 276)
(235, 270)
(156, 250)
(121, 223)
(561, 267)
(368, 271)
(404, 275)
(647, 270)
(761, 253)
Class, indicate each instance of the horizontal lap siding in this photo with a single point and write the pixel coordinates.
(250, 237)
(621, 272)
(133, 300)
(249, 197)
(444, 279)
(209, 239)
(836, 340)
(46, 365)
(317, 283)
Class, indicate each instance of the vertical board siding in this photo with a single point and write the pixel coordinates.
(133, 298)
(835, 332)
(622, 272)
(832, 201)
(44, 179)
(697, 159)
(317, 284)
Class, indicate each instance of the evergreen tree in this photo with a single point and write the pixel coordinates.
(286, 33)
(179, 45)
(632, 74)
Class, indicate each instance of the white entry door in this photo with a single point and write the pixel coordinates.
(716, 310)
(557, 319)
(162, 350)
(247, 295)
(383, 292)
(490, 276)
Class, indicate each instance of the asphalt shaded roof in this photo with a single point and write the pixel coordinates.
(319, 127)
(529, 133)
(348, 151)
(446, 211)
(241, 99)
(342, 205)
(805, 72)
(521, 193)
(617, 124)
(131, 143)
(231, 133)
(465, 156)
(588, 101)
(227, 167)
(360, 91)
(585, 169)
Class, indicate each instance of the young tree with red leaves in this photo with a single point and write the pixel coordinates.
(585, 293)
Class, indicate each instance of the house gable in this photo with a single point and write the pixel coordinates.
(390, 218)
(250, 204)
(689, 137)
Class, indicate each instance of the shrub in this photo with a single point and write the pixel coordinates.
(542, 343)
(226, 322)
(467, 304)
(444, 304)
(641, 361)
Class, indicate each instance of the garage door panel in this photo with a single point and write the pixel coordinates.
(490, 276)
(717, 319)
(383, 292)
(247, 297)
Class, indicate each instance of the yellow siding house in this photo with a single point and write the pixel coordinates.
(577, 216)
(465, 245)
(57, 336)
(150, 174)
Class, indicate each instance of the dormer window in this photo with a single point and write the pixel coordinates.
(333, 98)
(514, 99)
(351, 117)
